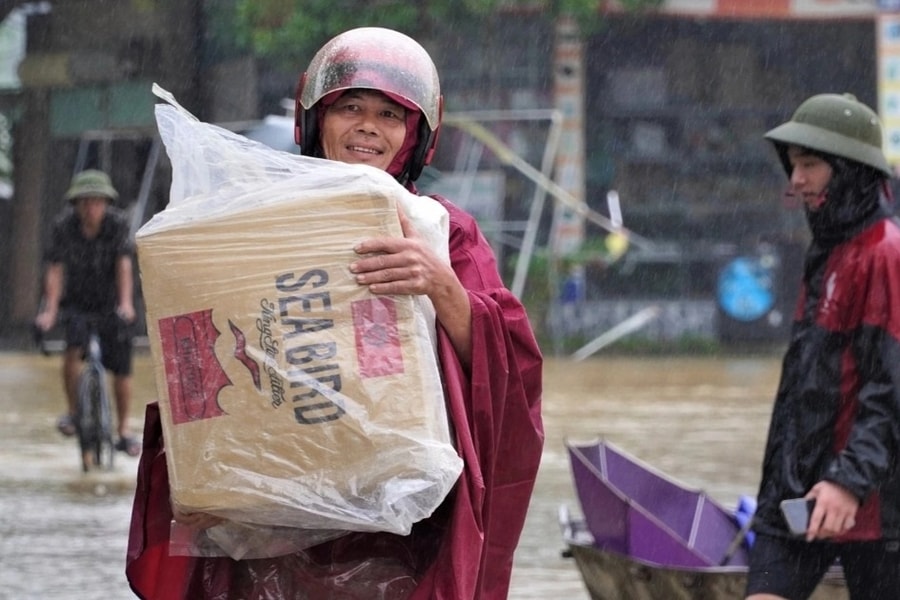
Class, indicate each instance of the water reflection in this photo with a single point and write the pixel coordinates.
(63, 534)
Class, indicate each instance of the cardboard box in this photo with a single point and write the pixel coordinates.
(290, 395)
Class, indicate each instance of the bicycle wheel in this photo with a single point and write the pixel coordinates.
(94, 420)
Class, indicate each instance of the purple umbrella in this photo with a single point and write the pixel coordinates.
(634, 510)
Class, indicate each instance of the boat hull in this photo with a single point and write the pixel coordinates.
(610, 576)
(647, 536)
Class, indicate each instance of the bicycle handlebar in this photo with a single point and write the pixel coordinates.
(39, 338)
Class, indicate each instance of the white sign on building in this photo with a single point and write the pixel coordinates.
(888, 41)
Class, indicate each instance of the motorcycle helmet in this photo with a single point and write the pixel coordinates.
(836, 124)
(378, 59)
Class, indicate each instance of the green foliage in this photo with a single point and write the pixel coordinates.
(288, 32)
(224, 39)
(639, 5)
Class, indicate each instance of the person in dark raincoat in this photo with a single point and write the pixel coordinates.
(834, 435)
(372, 96)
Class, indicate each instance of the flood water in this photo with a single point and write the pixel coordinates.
(63, 534)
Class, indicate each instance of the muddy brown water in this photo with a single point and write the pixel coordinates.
(63, 534)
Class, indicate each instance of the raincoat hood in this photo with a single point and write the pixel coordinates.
(854, 197)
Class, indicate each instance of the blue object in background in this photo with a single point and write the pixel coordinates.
(745, 288)
(744, 512)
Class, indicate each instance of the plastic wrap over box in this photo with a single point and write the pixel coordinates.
(290, 395)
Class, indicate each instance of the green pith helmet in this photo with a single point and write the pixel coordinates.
(91, 183)
(836, 124)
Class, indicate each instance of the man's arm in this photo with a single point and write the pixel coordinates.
(125, 288)
(53, 285)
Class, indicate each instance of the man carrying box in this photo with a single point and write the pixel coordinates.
(371, 96)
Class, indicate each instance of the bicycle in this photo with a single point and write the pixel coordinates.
(93, 417)
(93, 412)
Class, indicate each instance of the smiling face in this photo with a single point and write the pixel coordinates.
(364, 127)
(810, 175)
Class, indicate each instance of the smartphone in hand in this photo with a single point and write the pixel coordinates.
(796, 513)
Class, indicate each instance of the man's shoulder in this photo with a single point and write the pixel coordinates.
(883, 237)
(65, 217)
(116, 219)
(115, 213)
(458, 216)
(872, 253)
(65, 224)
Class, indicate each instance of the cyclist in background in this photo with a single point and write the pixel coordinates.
(89, 273)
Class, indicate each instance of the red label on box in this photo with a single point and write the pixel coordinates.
(194, 374)
(377, 339)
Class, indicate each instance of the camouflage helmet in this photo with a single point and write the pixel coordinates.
(91, 182)
(836, 124)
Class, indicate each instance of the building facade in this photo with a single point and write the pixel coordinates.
(675, 105)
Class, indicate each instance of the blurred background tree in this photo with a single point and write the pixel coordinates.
(288, 32)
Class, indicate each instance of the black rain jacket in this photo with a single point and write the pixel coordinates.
(837, 410)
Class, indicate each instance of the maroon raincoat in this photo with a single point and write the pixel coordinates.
(464, 550)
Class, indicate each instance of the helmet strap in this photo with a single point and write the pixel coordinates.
(306, 123)
(427, 141)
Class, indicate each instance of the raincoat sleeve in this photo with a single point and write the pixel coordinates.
(873, 440)
(150, 571)
(495, 410)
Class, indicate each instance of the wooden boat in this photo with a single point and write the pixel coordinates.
(646, 536)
